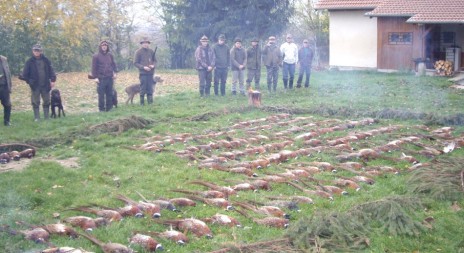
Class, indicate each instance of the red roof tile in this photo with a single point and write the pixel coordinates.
(347, 4)
(422, 11)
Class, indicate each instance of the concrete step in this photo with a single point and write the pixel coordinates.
(457, 78)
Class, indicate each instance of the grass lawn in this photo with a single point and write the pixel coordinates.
(348, 119)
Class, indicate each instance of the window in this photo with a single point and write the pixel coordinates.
(397, 38)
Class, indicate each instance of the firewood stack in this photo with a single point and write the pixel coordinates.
(444, 68)
(254, 98)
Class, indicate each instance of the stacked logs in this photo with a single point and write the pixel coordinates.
(444, 68)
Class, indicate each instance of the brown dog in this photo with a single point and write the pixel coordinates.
(134, 89)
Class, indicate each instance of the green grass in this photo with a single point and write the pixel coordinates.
(108, 163)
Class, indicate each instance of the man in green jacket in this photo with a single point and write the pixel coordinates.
(5, 89)
(145, 61)
(253, 64)
(221, 51)
(272, 59)
(40, 75)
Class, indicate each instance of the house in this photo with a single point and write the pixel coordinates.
(392, 35)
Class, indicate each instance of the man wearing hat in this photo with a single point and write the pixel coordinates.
(205, 61)
(5, 89)
(253, 64)
(40, 75)
(145, 61)
(272, 59)
(238, 62)
(221, 51)
(305, 59)
(104, 69)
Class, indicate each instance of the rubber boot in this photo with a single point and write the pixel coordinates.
(6, 115)
(142, 99)
(150, 99)
(36, 114)
(290, 83)
(46, 111)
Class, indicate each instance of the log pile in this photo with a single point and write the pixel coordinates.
(444, 68)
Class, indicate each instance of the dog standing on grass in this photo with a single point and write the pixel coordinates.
(56, 102)
(134, 89)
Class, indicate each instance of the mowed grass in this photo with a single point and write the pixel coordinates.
(111, 164)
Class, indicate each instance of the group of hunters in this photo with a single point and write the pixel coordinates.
(219, 57)
(39, 74)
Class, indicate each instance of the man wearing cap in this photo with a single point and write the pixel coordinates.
(221, 51)
(289, 52)
(305, 59)
(205, 62)
(40, 75)
(272, 59)
(5, 89)
(145, 61)
(104, 69)
(238, 62)
(253, 64)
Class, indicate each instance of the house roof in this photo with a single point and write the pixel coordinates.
(347, 4)
(418, 11)
(422, 11)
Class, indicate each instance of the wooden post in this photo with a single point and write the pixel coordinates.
(254, 98)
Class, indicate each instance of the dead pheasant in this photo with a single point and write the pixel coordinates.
(183, 202)
(60, 229)
(37, 235)
(265, 210)
(218, 202)
(318, 193)
(110, 215)
(172, 235)
(226, 190)
(273, 222)
(244, 187)
(296, 199)
(162, 203)
(146, 242)
(241, 170)
(64, 250)
(195, 226)
(204, 194)
(150, 209)
(109, 247)
(223, 219)
(54, 229)
(86, 223)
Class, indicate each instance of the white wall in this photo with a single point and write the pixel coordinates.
(353, 40)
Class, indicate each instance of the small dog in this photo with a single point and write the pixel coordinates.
(134, 89)
(56, 102)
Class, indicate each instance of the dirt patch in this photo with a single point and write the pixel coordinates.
(70, 163)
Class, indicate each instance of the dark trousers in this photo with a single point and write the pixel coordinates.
(253, 74)
(220, 78)
(272, 75)
(6, 103)
(305, 70)
(40, 92)
(105, 94)
(288, 72)
(146, 84)
(205, 77)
